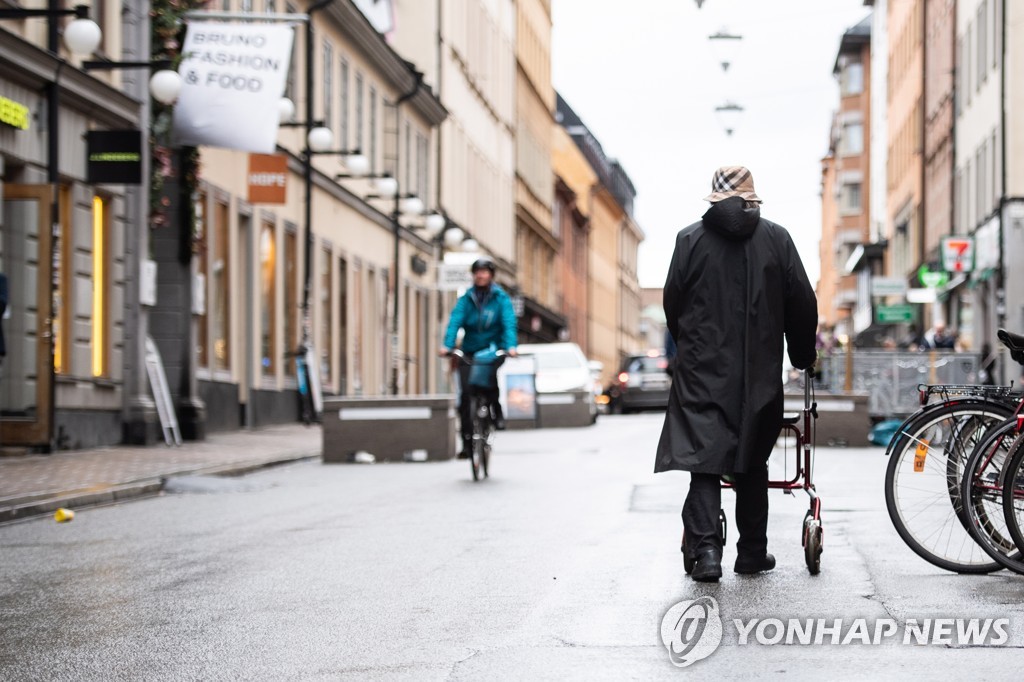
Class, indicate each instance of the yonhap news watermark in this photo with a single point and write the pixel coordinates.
(693, 630)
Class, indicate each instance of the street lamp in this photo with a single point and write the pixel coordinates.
(165, 86)
(285, 110)
(729, 115)
(357, 164)
(724, 44)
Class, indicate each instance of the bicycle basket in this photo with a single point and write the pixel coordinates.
(484, 372)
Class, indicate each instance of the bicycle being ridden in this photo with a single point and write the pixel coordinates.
(486, 317)
(481, 396)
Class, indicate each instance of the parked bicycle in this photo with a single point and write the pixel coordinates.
(482, 383)
(926, 486)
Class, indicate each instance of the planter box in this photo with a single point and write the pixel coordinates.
(843, 418)
(389, 428)
(563, 410)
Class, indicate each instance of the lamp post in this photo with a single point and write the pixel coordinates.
(318, 140)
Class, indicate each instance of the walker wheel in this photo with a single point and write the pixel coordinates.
(812, 544)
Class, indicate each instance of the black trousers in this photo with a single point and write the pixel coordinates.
(465, 417)
(700, 512)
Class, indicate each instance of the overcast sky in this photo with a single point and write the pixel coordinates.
(643, 77)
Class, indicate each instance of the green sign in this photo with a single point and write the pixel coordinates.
(894, 314)
(933, 279)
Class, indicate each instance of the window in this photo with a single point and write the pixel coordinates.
(996, 180)
(997, 42)
(326, 339)
(853, 78)
(981, 61)
(100, 340)
(373, 129)
(359, 114)
(407, 159)
(852, 141)
(850, 197)
(268, 297)
(246, 5)
(342, 308)
(202, 242)
(62, 296)
(291, 301)
(219, 294)
(270, 7)
(343, 103)
(422, 168)
(328, 83)
(979, 177)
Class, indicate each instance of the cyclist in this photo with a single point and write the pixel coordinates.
(485, 313)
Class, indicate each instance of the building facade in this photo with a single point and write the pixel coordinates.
(845, 285)
(68, 248)
(244, 342)
(538, 238)
(574, 185)
(904, 224)
(983, 166)
(613, 289)
(467, 53)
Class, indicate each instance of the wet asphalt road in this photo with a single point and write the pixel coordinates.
(560, 566)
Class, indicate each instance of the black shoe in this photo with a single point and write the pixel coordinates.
(708, 567)
(467, 449)
(751, 565)
(499, 423)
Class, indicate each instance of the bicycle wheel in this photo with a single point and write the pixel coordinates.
(982, 493)
(922, 483)
(1013, 493)
(476, 451)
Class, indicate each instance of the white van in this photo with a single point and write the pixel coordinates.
(562, 368)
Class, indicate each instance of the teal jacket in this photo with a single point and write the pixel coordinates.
(492, 320)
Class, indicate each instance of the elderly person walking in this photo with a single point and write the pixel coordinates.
(736, 290)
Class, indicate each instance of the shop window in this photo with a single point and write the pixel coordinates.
(100, 337)
(219, 296)
(291, 301)
(268, 298)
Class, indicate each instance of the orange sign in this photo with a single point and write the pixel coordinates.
(268, 178)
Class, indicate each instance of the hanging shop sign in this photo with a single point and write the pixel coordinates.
(113, 157)
(233, 77)
(268, 178)
(958, 254)
(932, 278)
(14, 114)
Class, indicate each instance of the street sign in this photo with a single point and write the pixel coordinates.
(894, 314)
(888, 286)
(453, 277)
(958, 254)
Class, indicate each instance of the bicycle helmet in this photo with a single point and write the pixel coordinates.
(482, 263)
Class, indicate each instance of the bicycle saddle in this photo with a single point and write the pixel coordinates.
(1011, 340)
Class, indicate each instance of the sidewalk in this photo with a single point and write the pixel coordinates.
(39, 484)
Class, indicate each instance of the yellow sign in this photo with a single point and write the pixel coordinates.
(14, 114)
(919, 456)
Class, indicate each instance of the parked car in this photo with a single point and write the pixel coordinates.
(562, 368)
(643, 382)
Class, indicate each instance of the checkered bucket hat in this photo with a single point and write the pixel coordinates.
(732, 181)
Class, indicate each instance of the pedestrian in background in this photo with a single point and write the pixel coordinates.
(736, 289)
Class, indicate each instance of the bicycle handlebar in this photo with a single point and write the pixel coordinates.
(458, 353)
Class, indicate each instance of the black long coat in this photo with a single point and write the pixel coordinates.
(735, 289)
